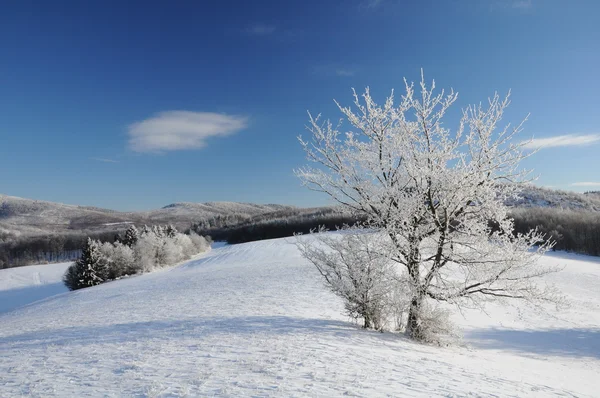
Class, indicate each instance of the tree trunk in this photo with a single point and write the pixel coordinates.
(414, 327)
(367, 324)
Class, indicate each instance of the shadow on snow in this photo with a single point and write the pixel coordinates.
(19, 297)
(577, 342)
(173, 329)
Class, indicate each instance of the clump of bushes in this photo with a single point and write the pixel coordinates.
(133, 253)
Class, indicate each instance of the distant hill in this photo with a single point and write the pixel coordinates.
(34, 232)
(533, 196)
(27, 216)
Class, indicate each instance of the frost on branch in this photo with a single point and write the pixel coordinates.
(437, 195)
(355, 267)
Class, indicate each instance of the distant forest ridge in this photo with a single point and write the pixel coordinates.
(34, 232)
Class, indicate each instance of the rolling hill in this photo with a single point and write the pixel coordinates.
(40, 217)
(255, 320)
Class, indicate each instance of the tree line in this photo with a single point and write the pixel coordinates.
(16, 251)
(570, 230)
(573, 231)
(134, 252)
(280, 224)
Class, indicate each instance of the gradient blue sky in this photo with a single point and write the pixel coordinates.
(109, 103)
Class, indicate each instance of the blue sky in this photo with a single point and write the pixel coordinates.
(110, 103)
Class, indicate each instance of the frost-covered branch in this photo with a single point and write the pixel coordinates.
(436, 194)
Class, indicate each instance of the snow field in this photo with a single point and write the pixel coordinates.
(255, 320)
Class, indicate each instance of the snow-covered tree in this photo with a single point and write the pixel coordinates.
(131, 236)
(121, 259)
(436, 195)
(147, 251)
(158, 230)
(145, 230)
(71, 278)
(199, 243)
(89, 270)
(171, 231)
(357, 268)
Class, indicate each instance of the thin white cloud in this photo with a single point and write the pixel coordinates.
(105, 160)
(563, 140)
(344, 72)
(177, 130)
(515, 5)
(522, 4)
(260, 29)
(372, 3)
(586, 184)
(334, 70)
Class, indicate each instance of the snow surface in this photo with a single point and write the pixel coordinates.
(24, 285)
(255, 320)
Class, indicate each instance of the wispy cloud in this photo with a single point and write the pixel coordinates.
(260, 29)
(177, 130)
(522, 4)
(586, 184)
(105, 160)
(372, 3)
(563, 140)
(344, 72)
(334, 70)
(515, 5)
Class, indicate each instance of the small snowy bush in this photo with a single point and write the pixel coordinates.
(357, 268)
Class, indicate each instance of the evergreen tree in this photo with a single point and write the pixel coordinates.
(170, 231)
(158, 230)
(145, 231)
(131, 236)
(89, 270)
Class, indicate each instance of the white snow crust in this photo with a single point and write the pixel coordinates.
(255, 320)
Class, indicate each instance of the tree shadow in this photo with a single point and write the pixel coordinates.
(577, 342)
(20, 297)
(174, 329)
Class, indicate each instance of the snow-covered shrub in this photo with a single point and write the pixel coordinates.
(170, 251)
(121, 260)
(147, 251)
(199, 243)
(357, 267)
(160, 247)
(435, 325)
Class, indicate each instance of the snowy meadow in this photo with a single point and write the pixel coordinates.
(255, 319)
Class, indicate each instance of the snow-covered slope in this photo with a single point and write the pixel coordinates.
(255, 320)
(23, 285)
